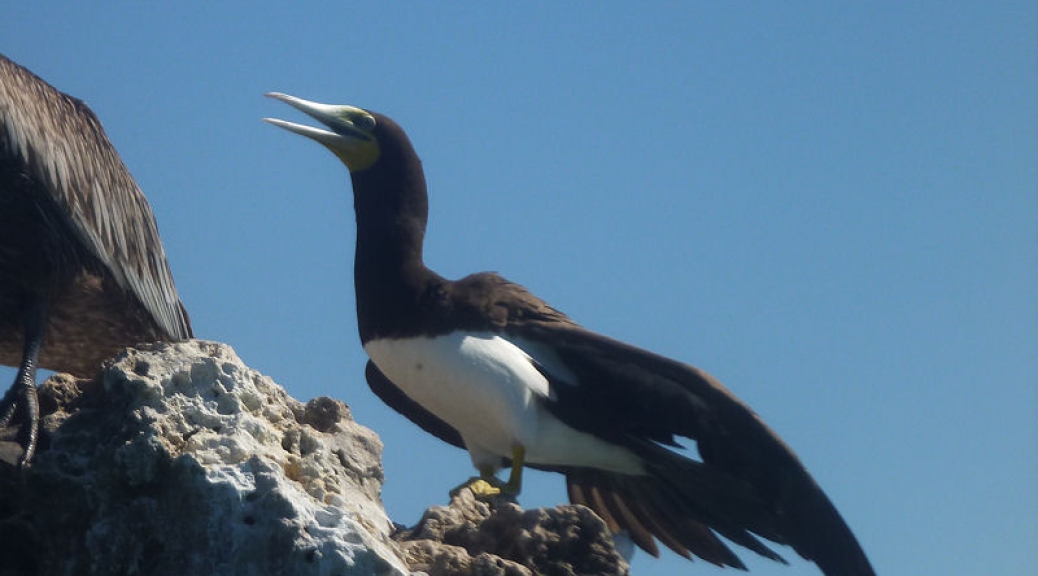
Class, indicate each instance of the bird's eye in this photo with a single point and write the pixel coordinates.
(365, 122)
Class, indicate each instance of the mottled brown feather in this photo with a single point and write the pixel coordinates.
(76, 229)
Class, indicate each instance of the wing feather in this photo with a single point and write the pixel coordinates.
(61, 142)
(749, 480)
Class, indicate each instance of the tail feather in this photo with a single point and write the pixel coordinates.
(640, 534)
(627, 518)
(645, 507)
(689, 506)
(666, 502)
(728, 506)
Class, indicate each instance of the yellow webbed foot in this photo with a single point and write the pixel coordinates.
(487, 485)
(483, 489)
(483, 486)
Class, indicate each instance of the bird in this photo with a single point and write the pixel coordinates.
(482, 363)
(83, 273)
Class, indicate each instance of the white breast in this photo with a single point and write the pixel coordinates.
(487, 388)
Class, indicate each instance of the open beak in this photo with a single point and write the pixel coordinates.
(339, 119)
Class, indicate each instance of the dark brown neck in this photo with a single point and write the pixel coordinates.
(392, 209)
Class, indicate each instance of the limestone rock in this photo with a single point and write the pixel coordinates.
(178, 459)
(498, 538)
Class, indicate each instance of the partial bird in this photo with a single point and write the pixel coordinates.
(82, 270)
(485, 365)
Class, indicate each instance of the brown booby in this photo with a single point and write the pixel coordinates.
(483, 364)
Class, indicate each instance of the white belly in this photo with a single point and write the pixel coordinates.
(488, 389)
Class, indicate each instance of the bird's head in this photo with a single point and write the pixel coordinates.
(388, 183)
(351, 134)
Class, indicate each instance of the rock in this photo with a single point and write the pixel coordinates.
(179, 459)
(497, 538)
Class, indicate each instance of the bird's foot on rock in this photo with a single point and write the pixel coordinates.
(484, 488)
(20, 405)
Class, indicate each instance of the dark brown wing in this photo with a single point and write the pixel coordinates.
(748, 482)
(486, 301)
(62, 145)
(749, 479)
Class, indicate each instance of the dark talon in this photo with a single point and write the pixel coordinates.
(23, 400)
(81, 262)
(22, 397)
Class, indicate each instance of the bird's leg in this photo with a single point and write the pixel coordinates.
(487, 485)
(22, 394)
(515, 477)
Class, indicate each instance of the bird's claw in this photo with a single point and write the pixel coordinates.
(24, 400)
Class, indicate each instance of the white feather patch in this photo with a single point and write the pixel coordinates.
(488, 388)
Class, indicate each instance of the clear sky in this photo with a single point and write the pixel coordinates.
(832, 207)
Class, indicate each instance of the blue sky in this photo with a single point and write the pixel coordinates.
(832, 208)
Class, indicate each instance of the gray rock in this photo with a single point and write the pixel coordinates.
(180, 460)
(472, 536)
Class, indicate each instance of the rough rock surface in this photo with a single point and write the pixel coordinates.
(497, 538)
(179, 459)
